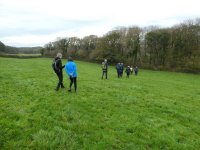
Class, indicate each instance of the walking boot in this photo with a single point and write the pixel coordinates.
(58, 86)
(70, 89)
(62, 86)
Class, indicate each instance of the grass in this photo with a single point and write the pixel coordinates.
(155, 110)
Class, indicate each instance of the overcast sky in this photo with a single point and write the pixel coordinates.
(37, 22)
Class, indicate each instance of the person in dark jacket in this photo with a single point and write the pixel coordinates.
(58, 70)
(70, 69)
(104, 68)
(136, 70)
(121, 69)
(118, 69)
(128, 70)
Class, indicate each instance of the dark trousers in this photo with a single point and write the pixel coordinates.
(73, 81)
(104, 73)
(60, 80)
(127, 74)
(121, 73)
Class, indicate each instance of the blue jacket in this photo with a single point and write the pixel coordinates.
(70, 69)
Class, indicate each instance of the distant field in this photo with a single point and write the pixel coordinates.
(155, 110)
(21, 55)
(28, 54)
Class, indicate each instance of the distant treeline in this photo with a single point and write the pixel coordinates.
(4, 49)
(176, 48)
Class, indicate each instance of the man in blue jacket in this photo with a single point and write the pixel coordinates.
(70, 69)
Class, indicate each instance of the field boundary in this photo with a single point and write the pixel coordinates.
(21, 55)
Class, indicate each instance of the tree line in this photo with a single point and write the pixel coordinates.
(175, 48)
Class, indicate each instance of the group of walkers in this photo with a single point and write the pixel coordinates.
(120, 70)
(70, 69)
(129, 70)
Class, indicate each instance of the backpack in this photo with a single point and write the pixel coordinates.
(54, 65)
(103, 65)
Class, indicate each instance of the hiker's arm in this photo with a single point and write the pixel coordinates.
(60, 65)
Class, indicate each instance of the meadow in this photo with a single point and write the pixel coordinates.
(154, 110)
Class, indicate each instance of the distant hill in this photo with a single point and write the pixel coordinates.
(16, 50)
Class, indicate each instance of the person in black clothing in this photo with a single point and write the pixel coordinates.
(104, 68)
(128, 70)
(58, 70)
(118, 69)
(121, 69)
(136, 70)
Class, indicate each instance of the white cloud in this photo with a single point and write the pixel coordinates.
(36, 22)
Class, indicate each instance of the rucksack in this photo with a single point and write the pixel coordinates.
(103, 65)
(54, 65)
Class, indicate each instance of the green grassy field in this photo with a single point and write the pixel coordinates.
(155, 110)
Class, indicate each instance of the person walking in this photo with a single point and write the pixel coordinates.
(121, 69)
(70, 69)
(131, 69)
(136, 70)
(118, 69)
(127, 71)
(104, 69)
(57, 66)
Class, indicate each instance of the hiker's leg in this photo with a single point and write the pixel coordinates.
(71, 82)
(102, 74)
(59, 81)
(75, 83)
